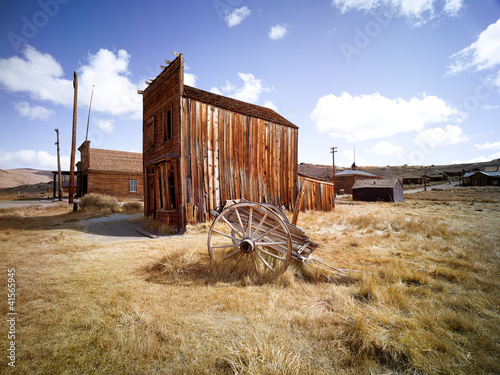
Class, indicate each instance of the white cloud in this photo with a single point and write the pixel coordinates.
(33, 113)
(488, 146)
(441, 137)
(107, 126)
(482, 54)
(38, 74)
(190, 79)
(114, 93)
(42, 77)
(32, 159)
(346, 158)
(479, 159)
(362, 117)
(278, 32)
(237, 16)
(269, 104)
(386, 148)
(249, 92)
(418, 11)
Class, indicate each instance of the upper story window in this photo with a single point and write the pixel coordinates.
(167, 125)
(151, 131)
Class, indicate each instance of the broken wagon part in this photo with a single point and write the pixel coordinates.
(256, 237)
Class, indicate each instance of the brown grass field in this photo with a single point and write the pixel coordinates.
(423, 297)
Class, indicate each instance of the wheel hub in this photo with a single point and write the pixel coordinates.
(247, 245)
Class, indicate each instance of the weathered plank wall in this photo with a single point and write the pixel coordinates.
(115, 184)
(228, 155)
(318, 195)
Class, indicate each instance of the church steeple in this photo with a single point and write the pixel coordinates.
(354, 166)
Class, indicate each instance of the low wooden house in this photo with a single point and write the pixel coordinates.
(378, 190)
(346, 179)
(201, 149)
(481, 178)
(415, 180)
(116, 173)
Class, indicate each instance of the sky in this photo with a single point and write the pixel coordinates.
(398, 81)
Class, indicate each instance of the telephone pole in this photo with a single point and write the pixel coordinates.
(73, 143)
(333, 151)
(59, 177)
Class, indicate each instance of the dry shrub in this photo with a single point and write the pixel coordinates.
(132, 207)
(99, 202)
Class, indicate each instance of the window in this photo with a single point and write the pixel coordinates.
(133, 186)
(151, 131)
(167, 125)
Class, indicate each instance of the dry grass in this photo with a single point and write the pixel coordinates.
(426, 299)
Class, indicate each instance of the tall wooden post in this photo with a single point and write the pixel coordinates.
(73, 143)
(59, 176)
(334, 150)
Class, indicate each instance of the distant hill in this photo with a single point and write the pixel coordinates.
(326, 171)
(10, 178)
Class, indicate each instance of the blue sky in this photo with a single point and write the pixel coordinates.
(405, 82)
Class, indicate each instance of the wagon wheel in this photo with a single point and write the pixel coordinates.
(250, 238)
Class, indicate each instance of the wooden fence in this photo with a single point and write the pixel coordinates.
(315, 194)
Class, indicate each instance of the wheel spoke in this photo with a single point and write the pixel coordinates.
(255, 264)
(230, 254)
(270, 243)
(236, 263)
(226, 235)
(264, 261)
(267, 233)
(232, 227)
(260, 224)
(222, 246)
(239, 220)
(271, 254)
(249, 227)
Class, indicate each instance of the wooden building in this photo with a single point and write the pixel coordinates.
(346, 179)
(201, 149)
(415, 180)
(378, 190)
(481, 178)
(110, 172)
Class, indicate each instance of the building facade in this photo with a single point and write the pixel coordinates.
(116, 173)
(201, 149)
(346, 179)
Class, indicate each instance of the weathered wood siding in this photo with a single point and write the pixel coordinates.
(115, 184)
(228, 155)
(317, 195)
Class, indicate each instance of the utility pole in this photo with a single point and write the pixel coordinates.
(333, 151)
(73, 143)
(59, 177)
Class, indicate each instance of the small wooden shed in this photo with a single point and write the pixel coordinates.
(378, 190)
(201, 149)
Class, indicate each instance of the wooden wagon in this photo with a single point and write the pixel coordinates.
(256, 237)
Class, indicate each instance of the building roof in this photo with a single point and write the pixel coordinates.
(118, 161)
(236, 106)
(350, 172)
(489, 174)
(376, 184)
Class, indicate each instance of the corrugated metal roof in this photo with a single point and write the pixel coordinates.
(359, 184)
(350, 172)
(236, 106)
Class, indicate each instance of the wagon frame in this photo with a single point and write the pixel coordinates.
(256, 237)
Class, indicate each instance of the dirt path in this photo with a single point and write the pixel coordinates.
(115, 227)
